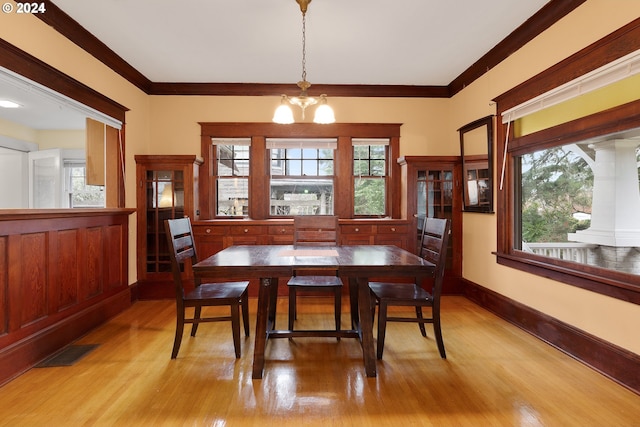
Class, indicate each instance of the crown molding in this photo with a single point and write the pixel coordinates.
(539, 22)
(266, 89)
(551, 13)
(30, 67)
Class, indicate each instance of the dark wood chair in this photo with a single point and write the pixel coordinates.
(433, 248)
(315, 230)
(233, 294)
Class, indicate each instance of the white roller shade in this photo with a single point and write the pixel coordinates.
(612, 72)
(370, 141)
(320, 143)
(231, 141)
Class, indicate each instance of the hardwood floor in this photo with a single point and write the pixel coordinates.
(495, 375)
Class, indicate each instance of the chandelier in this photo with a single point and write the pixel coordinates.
(324, 113)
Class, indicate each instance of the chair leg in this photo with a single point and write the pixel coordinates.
(421, 325)
(245, 314)
(382, 327)
(438, 333)
(235, 327)
(374, 302)
(178, 337)
(292, 306)
(338, 308)
(196, 316)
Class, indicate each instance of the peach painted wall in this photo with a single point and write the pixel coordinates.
(176, 118)
(169, 125)
(583, 309)
(17, 131)
(31, 35)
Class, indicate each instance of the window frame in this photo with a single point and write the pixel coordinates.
(384, 178)
(217, 178)
(302, 145)
(260, 162)
(615, 284)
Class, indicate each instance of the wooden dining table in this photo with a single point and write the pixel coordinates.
(356, 263)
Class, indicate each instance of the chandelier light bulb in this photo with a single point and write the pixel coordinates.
(324, 113)
(283, 114)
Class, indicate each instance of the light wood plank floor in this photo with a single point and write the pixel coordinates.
(495, 375)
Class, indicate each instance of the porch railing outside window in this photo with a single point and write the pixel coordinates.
(301, 176)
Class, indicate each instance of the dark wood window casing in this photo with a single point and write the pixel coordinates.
(259, 177)
(622, 42)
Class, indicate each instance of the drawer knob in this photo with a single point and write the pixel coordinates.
(393, 229)
(246, 230)
(283, 230)
(357, 229)
(208, 230)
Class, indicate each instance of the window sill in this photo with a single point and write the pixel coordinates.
(621, 286)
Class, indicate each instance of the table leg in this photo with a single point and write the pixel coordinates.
(261, 327)
(273, 300)
(366, 326)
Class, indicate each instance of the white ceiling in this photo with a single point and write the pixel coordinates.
(399, 42)
(37, 110)
(371, 42)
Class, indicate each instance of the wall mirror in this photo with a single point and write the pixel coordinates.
(476, 140)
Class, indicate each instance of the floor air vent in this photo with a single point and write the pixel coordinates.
(67, 356)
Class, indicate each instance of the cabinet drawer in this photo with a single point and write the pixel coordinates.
(393, 229)
(246, 230)
(356, 229)
(281, 230)
(204, 230)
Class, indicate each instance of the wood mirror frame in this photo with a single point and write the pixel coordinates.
(476, 141)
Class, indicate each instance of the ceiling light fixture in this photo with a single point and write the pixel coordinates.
(324, 113)
(5, 103)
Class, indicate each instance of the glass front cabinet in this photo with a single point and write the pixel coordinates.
(165, 190)
(433, 190)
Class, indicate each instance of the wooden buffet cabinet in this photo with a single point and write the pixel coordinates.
(430, 186)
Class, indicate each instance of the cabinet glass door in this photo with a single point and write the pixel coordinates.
(435, 199)
(165, 200)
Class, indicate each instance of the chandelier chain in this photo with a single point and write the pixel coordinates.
(304, 50)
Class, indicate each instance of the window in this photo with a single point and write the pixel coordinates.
(591, 123)
(302, 168)
(561, 156)
(79, 193)
(301, 176)
(370, 176)
(575, 199)
(232, 176)
(579, 203)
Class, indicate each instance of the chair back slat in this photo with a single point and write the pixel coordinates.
(433, 248)
(315, 230)
(184, 248)
(181, 248)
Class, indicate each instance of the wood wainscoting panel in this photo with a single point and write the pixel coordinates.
(115, 242)
(93, 273)
(66, 282)
(31, 265)
(4, 320)
(62, 272)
